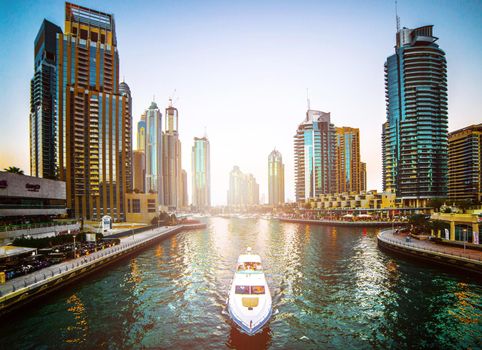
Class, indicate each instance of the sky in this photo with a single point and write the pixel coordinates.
(241, 69)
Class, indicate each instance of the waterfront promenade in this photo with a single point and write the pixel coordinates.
(360, 223)
(30, 286)
(454, 257)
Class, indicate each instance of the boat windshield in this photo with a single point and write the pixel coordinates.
(249, 290)
(249, 266)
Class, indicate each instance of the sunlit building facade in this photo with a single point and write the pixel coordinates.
(363, 177)
(414, 137)
(201, 173)
(141, 132)
(42, 103)
(314, 154)
(171, 160)
(465, 164)
(348, 165)
(93, 117)
(276, 178)
(153, 151)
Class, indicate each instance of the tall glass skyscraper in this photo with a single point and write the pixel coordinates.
(276, 178)
(201, 173)
(141, 132)
(171, 160)
(414, 137)
(154, 151)
(314, 145)
(94, 139)
(42, 103)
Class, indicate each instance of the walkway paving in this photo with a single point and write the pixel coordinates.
(427, 245)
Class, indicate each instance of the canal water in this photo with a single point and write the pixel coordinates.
(332, 289)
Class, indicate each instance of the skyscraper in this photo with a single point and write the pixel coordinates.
(139, 156)
(171, 160)
(314, 148)
(348, 165)
(93, 116)
(141, 132)
(363, 177)
(276, 178)
(414, 137)
(252, 190)
(237, 196)
(465, 164)
(139, 171)
(201, 173)
(185, 200)
(125, 90)
(243, 189)
(154, 151)
(42, 103)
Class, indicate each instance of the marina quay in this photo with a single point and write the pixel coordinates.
(18, 291)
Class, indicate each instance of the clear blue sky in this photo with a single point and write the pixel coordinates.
(241, 69)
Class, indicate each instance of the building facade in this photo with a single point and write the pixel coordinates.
(28, 196)
(348, 165)
(171, 161)
(141, 132)
(243, 189)
(93, 117)
(201, 173)
(465, 164)
(314, 154)
(414, 137)
(42, 103)
(276, 178)
(139, 171)
(153, 151)
(363, 177)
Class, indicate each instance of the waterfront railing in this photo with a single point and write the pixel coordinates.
(417, 247)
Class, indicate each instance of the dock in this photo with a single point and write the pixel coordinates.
(456, 258)
(24, 289)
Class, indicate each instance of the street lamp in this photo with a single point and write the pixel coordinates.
(465, 236)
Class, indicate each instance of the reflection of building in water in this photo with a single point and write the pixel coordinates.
(78, 332)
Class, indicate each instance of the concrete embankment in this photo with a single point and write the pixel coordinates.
(343, 223)
(22, 290)
(453, 257)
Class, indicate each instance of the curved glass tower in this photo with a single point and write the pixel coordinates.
(414, 136)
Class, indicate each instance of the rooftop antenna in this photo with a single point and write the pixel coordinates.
(396, 16)
(307, 99)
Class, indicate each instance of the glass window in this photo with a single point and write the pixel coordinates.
(242, 290)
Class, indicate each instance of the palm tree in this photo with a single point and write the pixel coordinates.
(14, 170)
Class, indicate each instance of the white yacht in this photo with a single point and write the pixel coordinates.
(249, 302)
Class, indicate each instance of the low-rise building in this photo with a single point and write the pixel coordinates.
(141, 207)
(28, 196)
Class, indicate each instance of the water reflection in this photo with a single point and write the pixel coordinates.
(333, 288)
(77, 333)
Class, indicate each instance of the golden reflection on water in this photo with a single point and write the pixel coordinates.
(135, 275)
(77, 333)
(465, 311)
